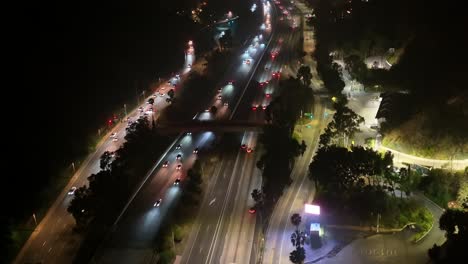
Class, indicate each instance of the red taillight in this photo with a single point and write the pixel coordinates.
(252, 211)
(254, 108)
(267, 95)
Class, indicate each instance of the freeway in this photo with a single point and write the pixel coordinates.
(133, 236)
(53, 240)
(224, 230)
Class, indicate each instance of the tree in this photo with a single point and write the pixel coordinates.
(344, 124)
(303, 147)
(356, 68)
(305, 75)
(455, 224)
(297, 256)
(226, 39)
(171, 94)
(81, 207)
(296, 220)
(213, 110)
(106, 160)
(257, 196)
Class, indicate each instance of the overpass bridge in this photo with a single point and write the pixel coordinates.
(209, 125)
(225, 24)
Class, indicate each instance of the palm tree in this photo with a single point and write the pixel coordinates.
(296, 220)
(297, 256)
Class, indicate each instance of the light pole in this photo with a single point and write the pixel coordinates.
(73, 166)
(125, 109)
(35, 220)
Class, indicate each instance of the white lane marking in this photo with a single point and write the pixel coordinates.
(212, 201)
(50, 249)
(201, 248)
(207, 228)
(43, 244)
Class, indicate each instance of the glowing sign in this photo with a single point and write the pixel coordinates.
(312, 209)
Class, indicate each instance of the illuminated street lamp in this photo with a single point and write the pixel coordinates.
(334, 99)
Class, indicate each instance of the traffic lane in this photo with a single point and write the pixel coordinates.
(237, 238)
(197, 250)
(141, 221)
(59, 223)
(216, 240)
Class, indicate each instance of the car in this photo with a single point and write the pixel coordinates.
(177, 181)
(165, 164)
(72, 190)
(220, 90)
(268, 95)
(179, 167)
(189, 65)
(115, 139)
(252, 210)
(243, 146)
(207, 110)
(178, 157)
(231, 82)
(113, 135)
(249, 150)
(247, 62)
(254, 108)
(226, 104)
(140, 109)
(154, 95)
(177, 76)
(150, 109)
(220, 97)
(195, 151)
(150, 101)
(189, 133)
(178, 146)
(162, 88)
(161, 94)
(157, 203)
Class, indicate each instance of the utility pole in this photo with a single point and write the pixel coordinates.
(378, 218)
(34, 217)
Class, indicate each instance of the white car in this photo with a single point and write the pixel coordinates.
(158, 203)
(72, 190)
(113, 135)
(115, 139)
